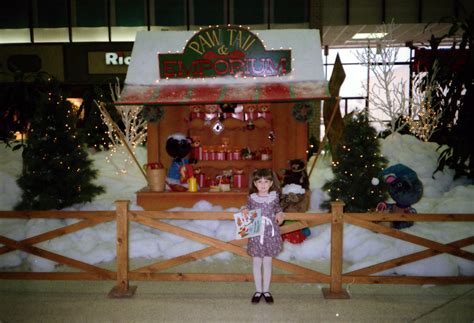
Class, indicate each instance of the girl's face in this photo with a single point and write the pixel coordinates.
(263, 185)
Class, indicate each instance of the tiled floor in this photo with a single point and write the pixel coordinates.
(58, 301)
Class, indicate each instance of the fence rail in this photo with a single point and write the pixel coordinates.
(296, 273)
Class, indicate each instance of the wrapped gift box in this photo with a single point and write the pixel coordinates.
(196, 153)
(201, 180)
(240, 181)
(220, 155)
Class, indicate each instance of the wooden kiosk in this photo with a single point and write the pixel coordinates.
(263, 76)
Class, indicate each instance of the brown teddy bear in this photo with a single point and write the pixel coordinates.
(296, 174)
(297, 203)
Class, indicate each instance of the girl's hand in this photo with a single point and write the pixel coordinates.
(280, 217)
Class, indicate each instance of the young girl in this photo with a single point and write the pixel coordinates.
(264, 194)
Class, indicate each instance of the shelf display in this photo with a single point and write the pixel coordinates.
(215, 153)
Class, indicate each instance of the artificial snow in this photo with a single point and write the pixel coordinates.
(293, 188)
(361, 247)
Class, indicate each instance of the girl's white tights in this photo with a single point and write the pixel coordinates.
(267, 273)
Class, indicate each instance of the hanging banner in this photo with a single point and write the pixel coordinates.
(222, 51)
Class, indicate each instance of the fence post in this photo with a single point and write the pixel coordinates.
(335, 290)
(122, 289)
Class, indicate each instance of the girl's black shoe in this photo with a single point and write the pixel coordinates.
(268, 297)
(256, 297)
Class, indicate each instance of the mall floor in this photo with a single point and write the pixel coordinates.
(88, 301)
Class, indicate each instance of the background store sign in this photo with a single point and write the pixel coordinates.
(111, 62)
(117, 58)
(225, 51)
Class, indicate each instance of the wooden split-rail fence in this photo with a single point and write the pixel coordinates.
(295, 273)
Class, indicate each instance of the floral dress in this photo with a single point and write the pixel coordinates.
(272, 242)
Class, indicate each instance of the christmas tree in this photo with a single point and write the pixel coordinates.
(57, 172)
(358, 162)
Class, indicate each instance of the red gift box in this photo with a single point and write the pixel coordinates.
(211, 154)
(196, 153)
(236, 154)
(240, 181)
(201, 180)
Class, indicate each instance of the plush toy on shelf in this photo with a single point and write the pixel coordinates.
(404, 188)
(178, 147)
(196, 148)
(195, 112)
(264, 112)
(211, 112)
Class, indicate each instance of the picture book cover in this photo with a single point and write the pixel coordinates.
(249, 225)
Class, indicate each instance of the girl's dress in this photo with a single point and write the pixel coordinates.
(272, 241)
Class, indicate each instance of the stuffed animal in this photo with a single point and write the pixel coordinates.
(195, 112)
(264, 111)
(178, 147)
(196, 148)
(211, 112)
(296, 174)
(295, 198)
(294, 203)
(404, 188)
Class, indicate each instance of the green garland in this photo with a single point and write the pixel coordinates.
(303, 111)
(152, 112)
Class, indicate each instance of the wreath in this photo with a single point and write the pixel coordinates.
(303, 111)
(152, 112)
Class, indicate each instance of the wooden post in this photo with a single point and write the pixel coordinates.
(122, 289)
(335, 290)
(326, 132)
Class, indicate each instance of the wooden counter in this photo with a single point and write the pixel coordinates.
(158, 201)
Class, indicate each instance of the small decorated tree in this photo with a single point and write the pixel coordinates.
(358, 162)
(133, 133)
(57, 171)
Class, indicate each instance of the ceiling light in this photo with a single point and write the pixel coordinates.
(369, 35)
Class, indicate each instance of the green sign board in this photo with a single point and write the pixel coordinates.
(224, 51)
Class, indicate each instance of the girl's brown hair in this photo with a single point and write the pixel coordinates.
(265, 173)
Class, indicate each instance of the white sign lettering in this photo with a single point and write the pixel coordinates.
(117, 58)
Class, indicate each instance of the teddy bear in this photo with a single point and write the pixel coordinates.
(211, 112)
(295, 196)
(250, 116)
(295, 203)
(295, 199)
(196, 148)
(195, 112)
(296, 174)
(264, 111)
